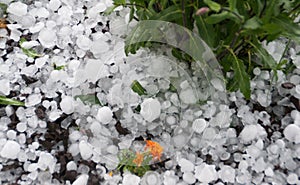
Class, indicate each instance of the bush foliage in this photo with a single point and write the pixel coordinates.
(233, 29)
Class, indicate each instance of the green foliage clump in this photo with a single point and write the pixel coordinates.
(233, 29)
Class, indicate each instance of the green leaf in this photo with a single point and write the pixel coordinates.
(216, 18)
(272, 28)
(253, 23)
(232, 4)
(267, 59)
(206, 31)
(131, 15)
(58, 67)
(170, 14)
(3, 8)
(281, 64)
(89, 98)
(9, 101)
(119, 2)
(272, 9)
(241, 77)
(291, 29)
(172, 88)
(138, 88)
(29, 52)
(213, 5)
(256, 6)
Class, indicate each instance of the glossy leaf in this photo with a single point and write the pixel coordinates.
(9, 101)
(89, 99)
(217, 18)
(138, 88)
(241, 77)
(213, 5)
(119, 2)
(205, 30)
(267, 59)
(170, 14)
(253, 23)
(29, 52)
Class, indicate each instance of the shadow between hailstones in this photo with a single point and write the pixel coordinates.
(149, 92)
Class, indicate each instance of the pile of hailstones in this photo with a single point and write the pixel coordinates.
(55, 139)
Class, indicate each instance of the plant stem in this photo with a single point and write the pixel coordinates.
(234, 13)
(264, 7)
(285, 50)
(183, 13)
(237, 34)
(130, 4)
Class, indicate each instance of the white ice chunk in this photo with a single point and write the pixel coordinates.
(27, 21)
(218, 84)
(209, 133)
(130, 179)
(249, 133)
(150, 109)
(112, 149)
(54, 5)
(99, 47)
(95, 10)
(260, 165)
(71, 166)
(227, 174)
(199, 125)
(291, 131)
(83, 42)
(292, 178)
(179, 140)
(11, 134)
(40, 62)
(37, 27)
(30, 70)
(46, 161)
(17, 8)
(10, 150)
(21, 127)
(206, 173)
(186, 165)
(81, 180)
(29, 44)
(269, 172)
(151, 178)
(47, 38)
(95, 69)
(5, 88)
(85, 150)
(33, 99)
(159, 67)
(42, 12)
(189, 178)
(67, 104)
(188, 96)
(104, 115)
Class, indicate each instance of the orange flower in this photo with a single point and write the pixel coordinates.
(155, 149)
(110, 173)
(138, 159)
